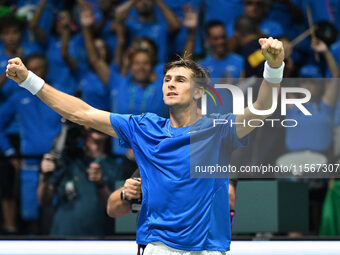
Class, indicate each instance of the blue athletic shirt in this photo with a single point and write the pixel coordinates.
(182, 212)
(229, 68)
(313, 132)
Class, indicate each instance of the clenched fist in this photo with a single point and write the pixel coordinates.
(16, 70)
(272, 50)
(132, 189)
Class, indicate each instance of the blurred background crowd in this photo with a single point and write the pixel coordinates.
(55, 177)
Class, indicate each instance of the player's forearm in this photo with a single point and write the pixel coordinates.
(265, 96)
(115, 206)
(69, 107)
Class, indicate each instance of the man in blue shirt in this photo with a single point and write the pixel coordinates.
(142, 19)
(31, 113)
(179, 213)
(11, 35)
(315, 132)
(221, 63)
(258, 11)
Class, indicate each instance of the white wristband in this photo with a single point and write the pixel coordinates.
(33, 83)
(273, 75)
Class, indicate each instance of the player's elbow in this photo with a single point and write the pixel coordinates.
(115, 208)
(81, 117)
(112, 210)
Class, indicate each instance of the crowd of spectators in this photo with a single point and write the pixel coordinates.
(111, 54)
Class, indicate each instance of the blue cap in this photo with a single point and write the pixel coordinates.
(312, 71)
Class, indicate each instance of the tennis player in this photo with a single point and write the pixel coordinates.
(180, 215)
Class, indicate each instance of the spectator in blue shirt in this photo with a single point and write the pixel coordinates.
(244, 42)
(258, 11)
(315, 132)
(320, 10)
(56, 46)
(136, 92)
(224, 11)
(181, 8)
(36, 136)
(41, 21)
(335, 49)
(146, 23)
(289, 16)
(104, 25)
(335, 12)
(177, 208)
(221, 63)
(11, 34)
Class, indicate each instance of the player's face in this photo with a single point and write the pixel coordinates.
(177, 88)
(141, 67)
(217, 40)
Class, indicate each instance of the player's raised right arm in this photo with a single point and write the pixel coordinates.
(69, 107)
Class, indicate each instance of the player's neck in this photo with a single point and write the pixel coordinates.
(183, 117)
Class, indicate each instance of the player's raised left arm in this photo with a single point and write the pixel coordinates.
(272, 50)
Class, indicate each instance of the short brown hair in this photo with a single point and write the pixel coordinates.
(198, 71)
(145, 51)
